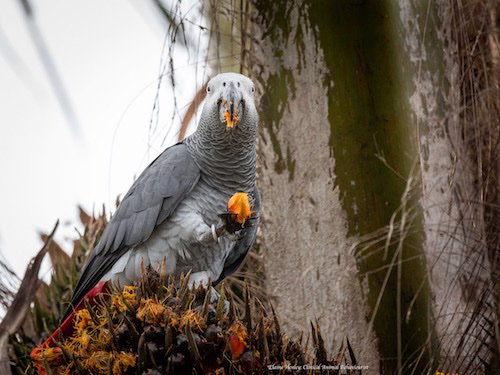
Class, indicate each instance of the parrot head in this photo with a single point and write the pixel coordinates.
(232, 93)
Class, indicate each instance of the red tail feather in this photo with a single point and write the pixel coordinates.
(66, 329)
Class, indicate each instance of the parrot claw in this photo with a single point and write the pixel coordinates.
(214, 233)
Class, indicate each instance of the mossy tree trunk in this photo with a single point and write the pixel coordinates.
(360, 181)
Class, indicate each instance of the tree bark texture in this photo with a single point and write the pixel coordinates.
(368, 184)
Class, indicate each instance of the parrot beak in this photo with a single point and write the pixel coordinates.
(231, 103)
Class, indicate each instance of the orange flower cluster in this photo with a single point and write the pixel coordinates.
(170, 328)
(124, 300)
(90, 346)
(151, 311)
(238, 339)
(193, 319)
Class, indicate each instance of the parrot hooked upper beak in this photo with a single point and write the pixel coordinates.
(232, 103)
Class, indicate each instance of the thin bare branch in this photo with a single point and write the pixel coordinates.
(193, 107)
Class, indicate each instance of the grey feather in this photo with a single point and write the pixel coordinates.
(120, 235)
(150, 200)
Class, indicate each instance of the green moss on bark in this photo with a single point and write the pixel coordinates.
(371, 119)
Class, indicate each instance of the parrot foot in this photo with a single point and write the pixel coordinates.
(212, 235)
(197, 279)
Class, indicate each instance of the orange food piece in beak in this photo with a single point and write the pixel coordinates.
(230, 123)
(239, 205)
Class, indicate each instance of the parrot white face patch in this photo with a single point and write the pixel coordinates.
(233, 95)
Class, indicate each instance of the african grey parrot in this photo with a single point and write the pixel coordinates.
(176, 201)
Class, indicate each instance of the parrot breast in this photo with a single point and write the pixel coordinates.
(175, 242)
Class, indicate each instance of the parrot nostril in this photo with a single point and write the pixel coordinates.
(238, 84)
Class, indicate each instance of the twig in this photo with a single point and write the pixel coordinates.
(198, 98)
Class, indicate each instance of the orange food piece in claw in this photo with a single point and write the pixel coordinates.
(239, 205)
(230, 123)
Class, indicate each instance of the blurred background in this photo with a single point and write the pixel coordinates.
(79, 81)
(377, 156)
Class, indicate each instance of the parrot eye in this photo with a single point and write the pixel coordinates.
(208, 89)
(253, 89)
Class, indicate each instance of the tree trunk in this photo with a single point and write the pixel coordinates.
(310, 271)
(367, 187)
(460, 185)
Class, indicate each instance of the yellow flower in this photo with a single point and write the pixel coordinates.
(103, 337)
(51, 355)
(151, 311)
(195, 320)
(174, 321)
(118, 304)
(123, 361)
(83, 320)
(99, 362)
(127, 296)
(83, 339)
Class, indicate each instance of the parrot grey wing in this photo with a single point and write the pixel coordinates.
(149, 202)
(245, 240)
